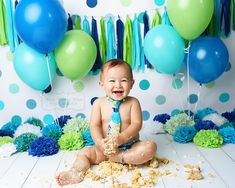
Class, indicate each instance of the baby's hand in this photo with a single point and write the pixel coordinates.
(111, 146)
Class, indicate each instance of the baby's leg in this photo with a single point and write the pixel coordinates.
(85, 158)
(139, 153)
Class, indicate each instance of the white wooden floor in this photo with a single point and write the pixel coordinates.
(217, 165)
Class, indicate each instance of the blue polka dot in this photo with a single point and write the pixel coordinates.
(228, 67)
(193, 98)
(93, 100)
(63, 102)
(81, 115)
(144, 84)
(160, 99)
(224, 97)
(145, 115)
(31, 104)
(159, 2)
(175, 112)
(58, 72)
(48, 119)
(14, 88)
(91, 3)
(2, 105)
(16, 119)
(0, 73)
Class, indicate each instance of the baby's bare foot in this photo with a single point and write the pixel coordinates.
(69, 177)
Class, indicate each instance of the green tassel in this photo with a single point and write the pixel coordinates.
(156, 19)
(127, 48)
(103, 41)
(77, 23)
(3, 24)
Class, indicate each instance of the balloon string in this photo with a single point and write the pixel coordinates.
(198, 94)
(48, 69)
(178, 95)
(188, 85)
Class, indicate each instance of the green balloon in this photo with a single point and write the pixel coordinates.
(76, 54)
(190, 17)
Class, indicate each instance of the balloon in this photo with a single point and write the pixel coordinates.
(190, 17)
(76, 54)
(164, 49)
(208, 59)
(32, 67)
(41, 24)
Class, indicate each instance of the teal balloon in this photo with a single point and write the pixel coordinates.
(33, 67)
(164, 49)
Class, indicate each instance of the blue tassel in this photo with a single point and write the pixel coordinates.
(70, 23)
(86, 26)
(120, 36)
(111, 40)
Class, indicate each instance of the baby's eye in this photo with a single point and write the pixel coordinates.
(111, 80)
(124, 80)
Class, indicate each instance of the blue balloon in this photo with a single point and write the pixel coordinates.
(208, 59)
(164, 48)
(33, 68)
(41, 24)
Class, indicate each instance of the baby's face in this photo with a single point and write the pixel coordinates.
(117, 82)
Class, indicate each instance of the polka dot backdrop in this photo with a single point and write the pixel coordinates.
(157, 93)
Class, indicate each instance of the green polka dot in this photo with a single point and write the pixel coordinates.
(9, 56)
(175, 112)
(63, 102)
(78, 86)
(160, 99)
(177, 83)
(125, 3)
(2, 105)
(193, 98)
(144, 84)
(210, 85)
(14, 88)
(48, 119)
(224, 97)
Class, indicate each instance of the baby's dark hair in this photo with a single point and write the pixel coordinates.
(113, 63)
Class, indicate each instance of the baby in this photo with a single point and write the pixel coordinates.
(116, 120)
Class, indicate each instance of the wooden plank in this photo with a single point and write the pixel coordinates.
(43, 173)
(221, 163)
(6, 163)
(19, 171)
(190, 155)
(229, 149)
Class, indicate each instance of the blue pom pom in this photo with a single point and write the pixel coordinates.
(205, 125)
(62, 120)
(6, 132)
(162, 118)
(88, 141)
(23, 141)
(184, 134)
(202, 113)
(53, 131)
(43, 146)
(229, 116)
(228, 134)
(10, 127)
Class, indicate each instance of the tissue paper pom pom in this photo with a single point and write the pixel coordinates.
(53, 131)
(7, 149)
(62, 120)
(208, 139)
(216, 119)
(202, 113)
(228, 134)
(230, 116)
(205, 125)
(76, 124)
(6, 132)
(10, 127)
(5, 139)
(228, 124)
(34, 121)
(23, 141)
(177, 121)
(188, 112)
(43, 146)
(162, 118)
(88, 141)
(71, 141)
(184, 134)
(27, 128)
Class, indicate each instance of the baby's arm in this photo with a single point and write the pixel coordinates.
(95, 125)
(136, 124)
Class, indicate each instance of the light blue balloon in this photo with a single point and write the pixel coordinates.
(164, 49)
(32, 67)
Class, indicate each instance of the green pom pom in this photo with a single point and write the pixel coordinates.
(76, 125)
(71, 141)
(5, 139)
(23, 141)
(208, 139)
(176, 121)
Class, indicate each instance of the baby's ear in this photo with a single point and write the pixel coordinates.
(101, 84)
(133, 81)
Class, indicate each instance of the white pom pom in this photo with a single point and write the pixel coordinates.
(27, 128)
(216, 119)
